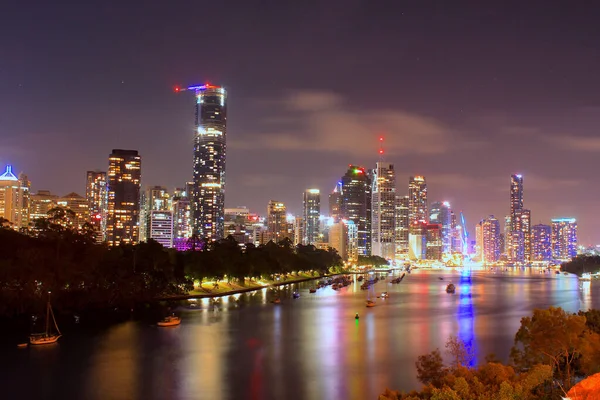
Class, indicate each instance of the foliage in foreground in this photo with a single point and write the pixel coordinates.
(551, 349)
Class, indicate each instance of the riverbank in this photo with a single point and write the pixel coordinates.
(225, 289)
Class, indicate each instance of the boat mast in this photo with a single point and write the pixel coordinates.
(48, 315)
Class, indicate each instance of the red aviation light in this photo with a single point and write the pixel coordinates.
(177, 89)
(381, 151)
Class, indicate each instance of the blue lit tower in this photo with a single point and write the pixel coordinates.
(208, 189)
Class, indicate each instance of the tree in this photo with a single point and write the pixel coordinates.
(559, 339)
(430, 368)
(456, 348)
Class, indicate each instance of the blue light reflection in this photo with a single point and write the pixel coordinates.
(466, 316)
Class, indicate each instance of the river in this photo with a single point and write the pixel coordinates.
(309, 348)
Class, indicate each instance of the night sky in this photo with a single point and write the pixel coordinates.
(465, 93)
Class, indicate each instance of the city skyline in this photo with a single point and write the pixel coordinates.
(477, 96)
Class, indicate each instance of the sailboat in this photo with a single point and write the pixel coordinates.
(47, 337)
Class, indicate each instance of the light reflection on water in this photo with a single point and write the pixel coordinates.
(244, 347)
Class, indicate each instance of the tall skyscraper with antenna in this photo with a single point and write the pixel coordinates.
(208, 193)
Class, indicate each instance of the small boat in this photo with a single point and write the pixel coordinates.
(171, 320)
(276, 301)
(22, 345)
(586, 276)
(370, 303)
(360, 278)
(384, 295)
(450, 288)
(334, 286)
(313, 290)
(296, 295)
(565, 273)
(557, 272)
(440, 278)
(356, 316)
(47, 337)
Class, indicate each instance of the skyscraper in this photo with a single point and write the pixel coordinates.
(335, 199)
(96, 195)
(433, 242)
(519, 241)
(154, 198)
(383, 214)
(355, 205)
(417, 200)
(277, 221)
(441, 214)
(564, 238)
(161, 227)
(541, 242)
(402, 226)
(490, 232)
(14, 199)
(516, 194)
(123, 187)
(181, 214)
(312, 212)
(208, 197)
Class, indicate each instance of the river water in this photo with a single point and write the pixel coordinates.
(309, 348)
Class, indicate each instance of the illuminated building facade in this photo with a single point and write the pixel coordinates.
(520, 238)
(564, 238)
(299, 231)
(42, 202)
(338, 238)
(277, 225)
(518, 242)
(355, 205)
(433, 242)
(353, 249)
(182, 214)
(15, 199)
(541, 242)
(97, 198)
(123, 206)
(154, 198)
(417, 241)
(208, 195)
(441, 214)
(335, 200)
(383, 211)
(161, 227)
(490, 240)
(402, 226)
(312, 212)
(79, 206)
(417, 200)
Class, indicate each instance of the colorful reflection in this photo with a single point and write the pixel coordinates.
(466, 316)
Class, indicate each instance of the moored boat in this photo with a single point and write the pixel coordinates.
(296, 295)
(586, 276)
(276, 301)
(312, 290)
(370, 303)
(171, 320)
(450, 288)
(47, 337)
